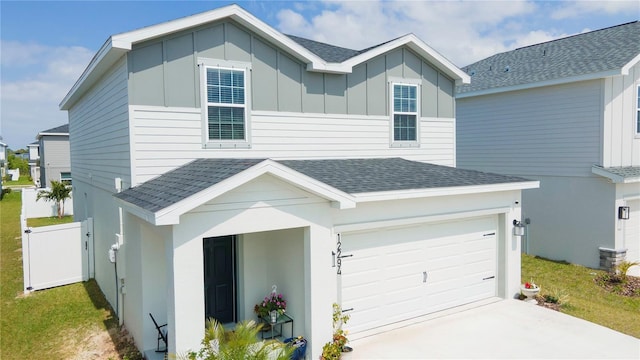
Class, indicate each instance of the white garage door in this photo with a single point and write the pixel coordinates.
(632, 235)
(397, 274)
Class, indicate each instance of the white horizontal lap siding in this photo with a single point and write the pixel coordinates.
(166, 138)
(99, 131)
(554, 130)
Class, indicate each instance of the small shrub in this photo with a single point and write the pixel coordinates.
(331, 351)
(556, 296)
(5, 192)
(622, 268)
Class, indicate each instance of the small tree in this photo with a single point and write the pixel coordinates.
(59, 193)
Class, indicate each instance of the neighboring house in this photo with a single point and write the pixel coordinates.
(55, 157)
(567, 113)
(3, 159)
(244, 158)
(34, 161)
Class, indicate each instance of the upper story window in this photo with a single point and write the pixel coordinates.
(405, 114)
(638, 111)
(225, 104)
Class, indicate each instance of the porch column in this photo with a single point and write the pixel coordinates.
(320, 287)
(185, 303)
(513, 253)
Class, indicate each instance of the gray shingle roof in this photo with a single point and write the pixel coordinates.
(189, 179)
(626, 172)
(348, 175)
(62, 129)
(589, 53)
(331, 53)
(376, 175)
(326, 52)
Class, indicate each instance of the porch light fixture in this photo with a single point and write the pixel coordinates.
(623, 213)
(518, 228)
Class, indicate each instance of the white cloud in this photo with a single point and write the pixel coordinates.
(463, 31)
(34, 80)
(574, 9)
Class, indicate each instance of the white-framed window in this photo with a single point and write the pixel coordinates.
(405, 112)
(225, 104)
(65, 178)
(638, 110)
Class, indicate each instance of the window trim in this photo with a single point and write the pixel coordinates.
(417, 83)
(637, 111)
(70, 179)
(204, 64)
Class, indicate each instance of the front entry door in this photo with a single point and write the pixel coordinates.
(219, 278)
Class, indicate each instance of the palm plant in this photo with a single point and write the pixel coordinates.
(241, 343)
(59, 193)
(624, 267)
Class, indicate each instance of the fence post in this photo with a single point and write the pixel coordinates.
(26, 251)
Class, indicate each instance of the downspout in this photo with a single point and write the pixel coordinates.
(119, 242)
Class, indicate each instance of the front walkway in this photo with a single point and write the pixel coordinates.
(508, 329)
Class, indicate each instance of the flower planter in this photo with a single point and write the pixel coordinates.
(530, 293)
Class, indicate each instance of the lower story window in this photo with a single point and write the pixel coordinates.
(65, 178)
(226, 123)
(404, 127)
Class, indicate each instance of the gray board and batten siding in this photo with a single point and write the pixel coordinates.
(164, 72)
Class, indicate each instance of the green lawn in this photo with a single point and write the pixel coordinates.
(44, 323)
(22, 180)
(46, 221)
(586, 299)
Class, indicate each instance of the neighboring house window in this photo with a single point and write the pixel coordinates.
(405, 114)
(638, 111)
(65, 178)
(226, 105)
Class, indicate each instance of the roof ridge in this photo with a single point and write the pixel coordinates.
(574, 35)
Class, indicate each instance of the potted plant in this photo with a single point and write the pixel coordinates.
(530, 290)
(272, 306)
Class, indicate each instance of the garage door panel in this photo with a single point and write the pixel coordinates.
(632, 235)
(456, 256)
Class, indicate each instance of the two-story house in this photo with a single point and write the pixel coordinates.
(54, 155)
(34, 161)
(567, 113)
(219, 157)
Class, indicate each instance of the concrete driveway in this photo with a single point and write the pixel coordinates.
(506, 329)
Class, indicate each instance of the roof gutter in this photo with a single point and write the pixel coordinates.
(593, 76)
(444, 191)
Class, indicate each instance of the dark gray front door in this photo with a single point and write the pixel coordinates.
(219, 279)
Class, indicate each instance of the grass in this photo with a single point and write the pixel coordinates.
(587, 300)
(46, 221)
(44, 324)
(22, 180)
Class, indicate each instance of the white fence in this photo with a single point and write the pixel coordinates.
(56, 255)
(41, 208)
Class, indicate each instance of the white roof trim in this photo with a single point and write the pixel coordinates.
(593, 76)
(401, 222)
(444, 191)
(171, 214)
(417, 45)
(615, 178)
(119, 44)
(625, 69)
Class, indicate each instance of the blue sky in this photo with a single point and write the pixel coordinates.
(45, 45)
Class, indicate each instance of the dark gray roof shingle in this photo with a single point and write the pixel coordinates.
(326, 52)
(348, 175)
(189, 179)
(332, 53)
(62, 129)
(626, 172)
(589, 53)
(390, 174)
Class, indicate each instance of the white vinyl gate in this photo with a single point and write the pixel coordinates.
(56, 255)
